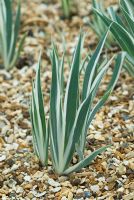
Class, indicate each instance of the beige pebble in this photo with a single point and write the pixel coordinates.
(121, 169)
(130, 155)
(70, 196)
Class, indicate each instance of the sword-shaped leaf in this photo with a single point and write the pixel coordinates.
(81, 117)
(91, 67)
(128, 16)
(9, 31)
(72, 88)
(118, 65)
(56, 111)
(40, 133)
(8, 8)
(123, 34)
(86, 161)
(125, 40)
(15, 33)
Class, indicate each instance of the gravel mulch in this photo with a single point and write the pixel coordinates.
(111, 175)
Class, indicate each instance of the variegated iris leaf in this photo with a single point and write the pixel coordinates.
(40, 129)
(124, 34)
(98, 26)
(9, 30)
(71, 109)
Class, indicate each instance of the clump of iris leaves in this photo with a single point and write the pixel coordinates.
(71, 109)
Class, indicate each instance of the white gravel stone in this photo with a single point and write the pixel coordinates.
(63, 198)
(6, 171)
(13, 146)
(13, 168)
(53, 183)
(4, 197)
(36, 194)
(125, 162)
(27, 178)
(19, 189)
(11, 183)
(2, 157)
(79, 191)
(57, 189)
(38, 175)
(102, 179)
(106, 187)
(95, 188)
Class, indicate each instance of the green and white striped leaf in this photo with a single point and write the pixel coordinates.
(8, 8)
(128, 13)
(128, 6)
(15, 33)
(86, 161)
(72, 89)
(98, 26)
(9, 31)
(68, 119)
(118, 65)
(125, 40)
(122, 33)
(79, 131)
(56, 113)
(91, 67)
(39, 129)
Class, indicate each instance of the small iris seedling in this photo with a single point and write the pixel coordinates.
(97, 24)
(123, 31)
(71, 108)
(66, 7)
(9, 30)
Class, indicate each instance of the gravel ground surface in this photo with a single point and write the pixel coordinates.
(111, 175)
